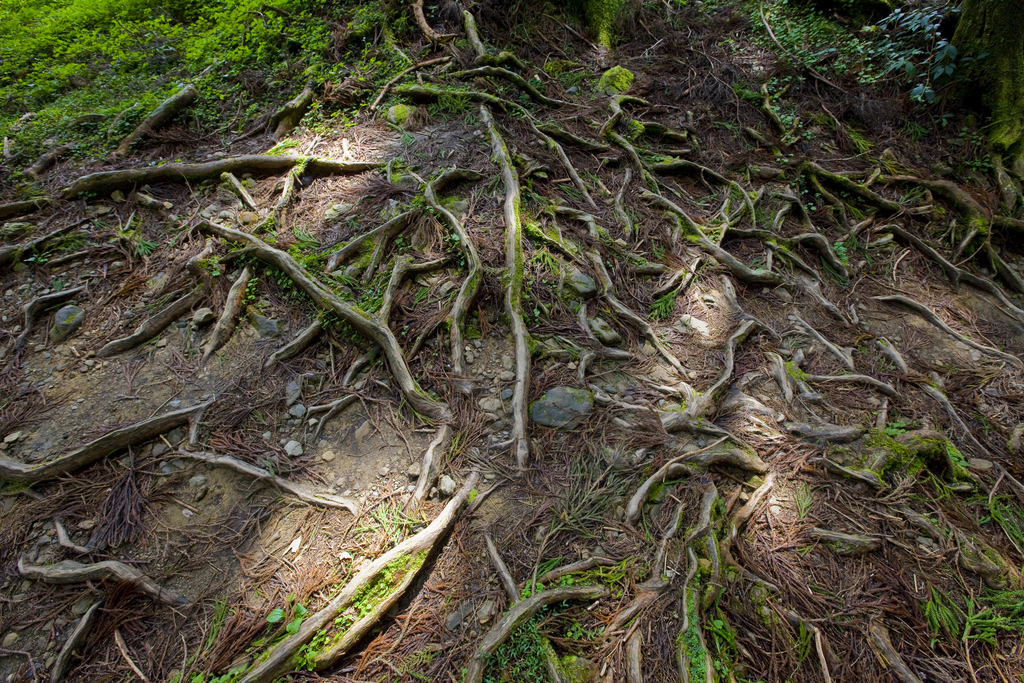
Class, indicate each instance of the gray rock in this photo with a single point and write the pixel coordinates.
(297, 411)
(582, 283)
(328, 456)
(66, 323)
(490, 404)
(604, 332)
(292, 392)
(204, 316)
(197, 481)
(562, 407)
(362, 431)
(293, 448)
(10, 640)
(506, 362)
(266, 327)
(447, 486)
(979, 465)
(507, 376)
(337, 211)
(506, 394)
(456, 618)
(415, 470)
(572, 90)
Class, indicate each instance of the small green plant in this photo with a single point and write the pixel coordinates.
(804, 499)
(663, 307)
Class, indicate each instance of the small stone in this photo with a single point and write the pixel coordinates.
(66, 323)
(292, 392)
(507, 376)
(383, 471)
(87, 524)
(266, 327)
(979, 464)
(203, 316)
(186, 513)
(12, 437)
(490, 404)
(455, 619)
(506, 394)
(506, 362)
(562, 407)
(197, 481)
(362, 431)
(293, 448)
(470, 358)
(248, 217)
(267, 436)
(414, 471)
(486, 611)
(10, 640)
(446, 486)
(328, 456)
(582, 283)
(175, 403)
(117, 196)
(297, 411)
(336, 211)
(572, 90)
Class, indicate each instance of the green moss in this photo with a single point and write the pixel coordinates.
(615, 80)
(400, 113)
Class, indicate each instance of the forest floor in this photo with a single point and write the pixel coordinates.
(788, 381)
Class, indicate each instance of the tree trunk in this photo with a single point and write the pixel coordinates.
(994, 28)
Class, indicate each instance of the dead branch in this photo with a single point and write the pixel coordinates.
(69, 571)
(296, 346)
(290, 114)
(429, 468)
(62, 665)
(879, 636)
(226, 323)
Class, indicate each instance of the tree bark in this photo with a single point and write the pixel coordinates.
(996, 80)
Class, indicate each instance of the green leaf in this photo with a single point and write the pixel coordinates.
(293, 627)
(275, 615)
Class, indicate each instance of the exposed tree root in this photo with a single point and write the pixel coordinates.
(845, 544)
(62, 665)
(385, 232)
(568, 138)
(319, 626)
(515, 79)
(16, 209)
(553, 146)
(332, 409)
(366, 324)
(879, 636)
(886, 389)
(296, 346)
(14, 253)
(237, 187)
(474, 278)
(301, 491)
(45, 161)
(429, 463)
(430, 34)
(226, 323)
(70, 571)
(140, 432)
(33, 308)
(415, 67)
(106, 182)
(931, 317)
(519, 614)
(826, 432)
(844, 355)
(287, 118)
(514, 262)
(167, 110)
(575, 567)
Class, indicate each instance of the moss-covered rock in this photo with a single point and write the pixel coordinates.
(615, 80)
(398, 114)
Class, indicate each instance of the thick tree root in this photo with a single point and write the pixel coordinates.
(332, 409)
(519, 614)
(226, 323)
(63, 664)
(70, 571)
(568, 138)
(287, 118)
(301, 491)
(16, 209)
(13, 253)
(514, 262)
(931, 317)
(151, 327)
(845, 544)
(575, 567)
(364, 323)
(385, 232)
(140, 432)
(161, 115)
(825, 432)
(415, 67)
(429, 463)
(515, 79)
(411, 552)
(257, 164)
(886, 389)
(296, 346)
(430, 34)
(239, 189)
(45, 161)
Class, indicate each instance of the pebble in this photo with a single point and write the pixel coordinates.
(175, 403)
(10, 640)
(298, 410)
(507, 376)
(414, 470)
(506, 362)
(293, 448)
(446, 486)
(186, 513)
(328, 456)
(383, 471)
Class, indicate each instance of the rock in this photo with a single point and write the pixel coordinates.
(582, 283)
(293, 448)
(12, 437)
(362, 431)
(455, 619)
(572, 90)
(159, 449)
(87, 524)
(490, 404)
(506, 394)
(400, 113)
(66, 323)
(615, 80)
(292, 391)
(447, 486)
(604, 332)
(82, 605)
(10, 641)
(197, 481)
(117, 196)
(266, 327)
(337, 211)
(486, 611)
(328, 456)
(979, 465)
(204, 316)
(297, 411)
(506, 362)
(562, 407)
(414, 470)
(507, 376)
(248, 217)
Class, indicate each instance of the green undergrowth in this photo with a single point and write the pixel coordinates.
(86, 72)
(987, 617)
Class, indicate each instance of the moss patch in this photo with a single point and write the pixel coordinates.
(615, 80)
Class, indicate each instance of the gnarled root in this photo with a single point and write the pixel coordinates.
(140, 432)
(226, 323)
(519, 614)
(34, 307)
(301, 491)
(70, 571)
(239, 189)
(288, 116)
(513, 288)
(364, 323)
(845, 544)
(297, 345)
(429, 462)
(430, 34)
(161, 115)
(11, 253)
(385, 232)
(75, 639)
(411, 552)
(879, 637)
